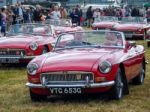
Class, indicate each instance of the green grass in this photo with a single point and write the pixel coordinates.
(14, 96)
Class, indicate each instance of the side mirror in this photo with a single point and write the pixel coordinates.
(132, 43)
(129, 45)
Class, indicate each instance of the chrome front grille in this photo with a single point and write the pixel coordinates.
(66, 77)
(12, 52)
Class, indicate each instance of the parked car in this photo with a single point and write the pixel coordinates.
(87, 62)
(24, 42)
(104, 22)
(148, 38)
(133, 27)
(63, 26)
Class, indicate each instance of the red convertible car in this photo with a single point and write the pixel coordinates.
(24, 42)
(104, 22)
(133, 27)
(87, 62)
(63, 26)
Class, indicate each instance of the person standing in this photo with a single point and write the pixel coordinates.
(89, 16)
(56, 13)
(10, 15)
(63, 12)
(96, 14)
(148, 15)
(79, 14)
(74, 16)
(37, 14)
(28, 16)
(135, 12)
(20, 13)
(3, 21)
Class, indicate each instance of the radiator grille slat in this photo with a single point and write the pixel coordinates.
(67, 77)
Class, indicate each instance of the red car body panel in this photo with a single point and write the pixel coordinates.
(132, 30)
(61, 29)
(103, 25)
(87, 60)
(22, 42)
(128, 27)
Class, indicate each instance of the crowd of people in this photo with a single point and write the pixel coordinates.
(18, 14)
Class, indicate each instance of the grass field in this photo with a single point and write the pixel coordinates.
(14, 96)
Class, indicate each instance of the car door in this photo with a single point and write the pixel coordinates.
(132, 63)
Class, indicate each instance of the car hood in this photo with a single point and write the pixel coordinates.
(74, 60)
(19, 41)
(126, 27)
(104, 24)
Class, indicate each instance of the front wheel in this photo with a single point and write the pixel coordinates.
(36, 97)
(117, 89)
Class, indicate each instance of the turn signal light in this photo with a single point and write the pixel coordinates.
(100, 79)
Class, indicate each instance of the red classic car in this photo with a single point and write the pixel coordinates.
(133, 27)
(148, 38)
(24, 42)
(87, 62)
(63, 26)
(104, 22)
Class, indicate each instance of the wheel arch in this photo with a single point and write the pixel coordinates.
(126, 89)
(46, 46)
(144, 64)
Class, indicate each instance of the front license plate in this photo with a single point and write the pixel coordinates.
(65, 90)
(9, 60)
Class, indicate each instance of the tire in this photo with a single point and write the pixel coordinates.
(139, 80)
(35, 97)
(44, 50)
(117, 89)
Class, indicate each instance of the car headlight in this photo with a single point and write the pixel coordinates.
(105, 67)
(33, 46)
(32, 68)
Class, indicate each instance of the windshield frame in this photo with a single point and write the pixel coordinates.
(108, 20)
(32, 24)
(48, 21)
(133, 22)
(90, 46)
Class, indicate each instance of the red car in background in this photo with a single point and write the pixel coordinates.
(87, 62)
(133, 27)
(24, 42)
(63, 26)
(104, 22)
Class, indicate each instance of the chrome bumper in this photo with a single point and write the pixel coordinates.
(22, 57)
(10, 60)
(93, 85)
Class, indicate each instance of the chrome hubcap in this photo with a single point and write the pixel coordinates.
(142, 76)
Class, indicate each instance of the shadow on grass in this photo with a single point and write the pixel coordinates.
(84, 98)
(12, 66)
